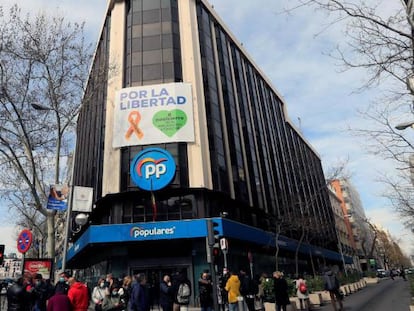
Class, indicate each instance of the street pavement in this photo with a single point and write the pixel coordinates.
(387, 295)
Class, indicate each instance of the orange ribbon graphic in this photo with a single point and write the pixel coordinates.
(134, 118)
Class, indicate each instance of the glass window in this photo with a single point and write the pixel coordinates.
(166, 15)
(151, 57)
(137, 31)
(136, 58)
(151, 43)
(151, 72)
(151, 16)
(167, 55)
(136, 45)
(166, 27)
(168, 70)
(150, 4)
(151, 29)
(136, 73)
(165, 3)
(138, 213)
(137, 18)
(167, 41)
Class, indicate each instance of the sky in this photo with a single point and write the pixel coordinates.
(292, 50)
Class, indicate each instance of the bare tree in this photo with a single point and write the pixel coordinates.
(401, 193)
(369, 241)
(380, 41)
(44, 64)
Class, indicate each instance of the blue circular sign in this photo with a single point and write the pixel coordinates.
(152, 169)
(24, 241)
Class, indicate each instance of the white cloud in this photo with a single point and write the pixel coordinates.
(8, 237)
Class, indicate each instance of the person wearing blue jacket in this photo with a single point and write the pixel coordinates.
(139, 297)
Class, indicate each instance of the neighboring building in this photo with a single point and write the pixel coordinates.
(362, 236)
(342, 228)
(179, 80)
(11, 268)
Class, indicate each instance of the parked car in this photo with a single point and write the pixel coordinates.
(382, 273)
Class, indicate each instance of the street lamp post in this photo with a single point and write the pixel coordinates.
(404, 125)
(70, 199)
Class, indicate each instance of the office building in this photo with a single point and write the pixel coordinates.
(172, 90)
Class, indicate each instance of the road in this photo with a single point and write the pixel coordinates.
(387, 295)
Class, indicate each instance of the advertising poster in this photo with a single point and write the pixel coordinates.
(38, 265)
(57, 199)
(153, 114)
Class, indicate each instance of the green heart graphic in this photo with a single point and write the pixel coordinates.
(169, 121)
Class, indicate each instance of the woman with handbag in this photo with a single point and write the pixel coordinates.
(98, 294)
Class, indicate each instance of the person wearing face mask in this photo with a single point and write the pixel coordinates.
(98, 294)
(40, 293)
(62, 285)
(112, 300)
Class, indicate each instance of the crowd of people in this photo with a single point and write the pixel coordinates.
(234, 291)
(237, 291)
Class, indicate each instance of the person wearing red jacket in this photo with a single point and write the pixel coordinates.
(78, 295)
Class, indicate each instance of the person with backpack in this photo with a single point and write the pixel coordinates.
(280, 287)
(182, 291)
(302, 293)
(205, 289)
(331, 284)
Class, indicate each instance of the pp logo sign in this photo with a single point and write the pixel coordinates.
(153, 169)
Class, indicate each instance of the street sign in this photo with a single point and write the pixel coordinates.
(224, 244)
(24, 241)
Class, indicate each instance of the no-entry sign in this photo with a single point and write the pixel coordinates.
(24, 241)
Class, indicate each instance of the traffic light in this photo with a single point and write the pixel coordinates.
(213, 238)
(213, 234)
(1, 254)
(216, 254)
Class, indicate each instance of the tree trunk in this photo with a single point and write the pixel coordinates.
(50, 246)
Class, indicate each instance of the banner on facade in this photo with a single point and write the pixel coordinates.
(82, 199)
(57, 199)
(153, 114)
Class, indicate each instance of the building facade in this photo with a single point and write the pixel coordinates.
(243, 164)
(11, 268)
(361, 232)
(346, 244)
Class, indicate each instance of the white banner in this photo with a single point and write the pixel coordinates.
(82, 199)
(153, 114)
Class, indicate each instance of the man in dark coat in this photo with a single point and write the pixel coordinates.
(281, 291)
(248, 289)
(205, 289)
(40, 293)
(17, 297)
(139, 297)
(62, 285)
(166, 294)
